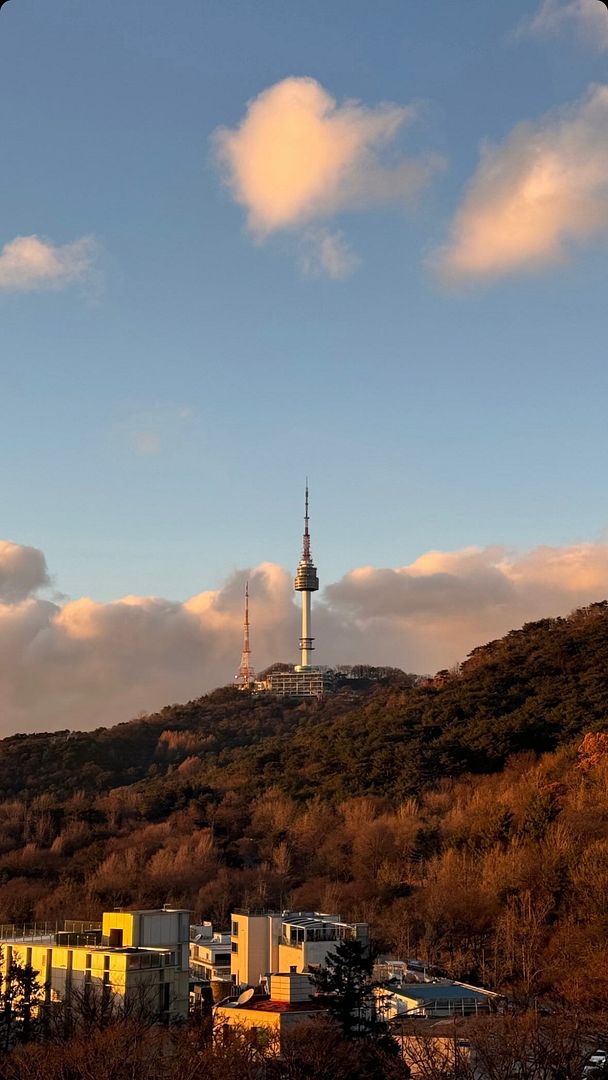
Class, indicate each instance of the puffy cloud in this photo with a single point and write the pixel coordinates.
(28, 263)
(554, 16)
(534, 196)
(441, 606)
(88, 663)
(298, 156)
(324, 252)
(22, 571)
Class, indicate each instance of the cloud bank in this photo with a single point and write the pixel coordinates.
(22, 571)
(541, 192)
(84, 663)
(28, 263)
(297, 157)
(554, 16)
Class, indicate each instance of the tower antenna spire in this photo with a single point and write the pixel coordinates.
(306, 545)
(245, 676)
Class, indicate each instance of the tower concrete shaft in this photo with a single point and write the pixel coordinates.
(245, 676)
(306, 582)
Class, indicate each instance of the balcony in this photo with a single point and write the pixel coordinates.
(314, 935)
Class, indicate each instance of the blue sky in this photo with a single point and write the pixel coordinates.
(158, 417)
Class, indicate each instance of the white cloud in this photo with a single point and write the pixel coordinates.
(326, 253)
(146, 443)
(588, 16)
(152, 431)
(297, 157)
(537, 195)
(84, 663)
(28, 263)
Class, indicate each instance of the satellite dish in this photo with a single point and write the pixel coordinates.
(245, 996)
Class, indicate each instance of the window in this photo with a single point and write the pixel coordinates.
(235, 929)
(235, 947)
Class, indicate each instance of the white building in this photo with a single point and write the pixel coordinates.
(209, 953)
(291, 941)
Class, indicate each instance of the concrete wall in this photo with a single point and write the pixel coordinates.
(291, 987)
(250, 962)
(149, 929)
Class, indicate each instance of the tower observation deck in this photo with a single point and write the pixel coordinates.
(306, 582)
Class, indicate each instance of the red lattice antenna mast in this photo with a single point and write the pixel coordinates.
(245, 676)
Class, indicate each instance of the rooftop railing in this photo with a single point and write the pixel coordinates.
(311, 937)
(45, 930)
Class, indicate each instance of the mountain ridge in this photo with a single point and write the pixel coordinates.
(532, 690)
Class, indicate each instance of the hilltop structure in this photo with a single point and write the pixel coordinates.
(303, 680)
(245, 676)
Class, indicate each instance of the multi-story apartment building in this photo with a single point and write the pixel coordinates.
(136, 957)
(292, 941)
(209, 953)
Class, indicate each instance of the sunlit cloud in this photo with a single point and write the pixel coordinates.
(435, 610)
(587, 16)
(298, 157)
(81, 663)
(535, 197)
(28, 263)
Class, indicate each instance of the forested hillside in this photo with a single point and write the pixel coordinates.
(535, 689)
(466, 819)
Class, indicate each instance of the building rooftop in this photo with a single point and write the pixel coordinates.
(150, 911)
(447, 991)
(268, 1005)
(310, 918)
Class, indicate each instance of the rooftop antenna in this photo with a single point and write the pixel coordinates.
(245, 676)
(245, 996)
(306, 547)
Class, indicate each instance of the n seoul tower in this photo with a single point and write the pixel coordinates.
(306, 582)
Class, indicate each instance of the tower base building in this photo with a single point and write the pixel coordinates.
(300, 683)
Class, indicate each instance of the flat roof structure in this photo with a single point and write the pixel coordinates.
(434, 999)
